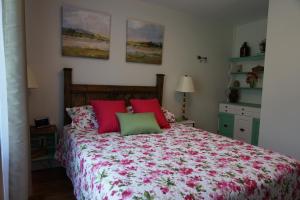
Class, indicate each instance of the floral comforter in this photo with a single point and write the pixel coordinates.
(180, 163)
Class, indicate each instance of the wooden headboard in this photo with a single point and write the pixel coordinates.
(78, 94)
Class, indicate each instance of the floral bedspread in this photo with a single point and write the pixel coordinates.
(180, 163)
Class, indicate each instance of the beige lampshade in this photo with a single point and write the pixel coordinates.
(31, 80)
(185, 84)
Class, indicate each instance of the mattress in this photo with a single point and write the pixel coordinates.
(180, 163)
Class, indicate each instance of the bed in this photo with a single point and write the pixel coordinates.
(180, 163)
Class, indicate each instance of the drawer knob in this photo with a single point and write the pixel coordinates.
(242, 130)
(225, 125)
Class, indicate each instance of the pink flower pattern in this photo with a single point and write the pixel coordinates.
(83, 117)
(180, 163)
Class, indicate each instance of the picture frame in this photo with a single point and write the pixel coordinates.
(85, 33)
(144, 42)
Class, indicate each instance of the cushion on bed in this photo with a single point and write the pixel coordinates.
(140, 123)
(170, 117)
(106, 114)
(150, 105)
(83, 117)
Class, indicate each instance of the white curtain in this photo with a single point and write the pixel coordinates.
(15, 65)
(4, 142)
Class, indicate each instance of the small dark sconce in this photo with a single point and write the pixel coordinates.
(202, 59)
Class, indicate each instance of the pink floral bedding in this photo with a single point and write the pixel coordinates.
(181, 163)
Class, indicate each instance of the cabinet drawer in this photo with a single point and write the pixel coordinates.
(243, 128)
(248, 111)
(226, 123)
(42, 141)
(227, 108)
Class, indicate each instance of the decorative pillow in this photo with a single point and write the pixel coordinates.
(140, 123)
(150, 105)
(168, 115)
(83, 117)
(105, 111)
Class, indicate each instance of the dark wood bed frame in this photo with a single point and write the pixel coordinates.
(79, 94)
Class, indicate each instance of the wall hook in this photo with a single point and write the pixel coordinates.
(202, 59)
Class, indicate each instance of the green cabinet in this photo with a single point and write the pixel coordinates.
(240, 122)
(226, 124)
(255, 131)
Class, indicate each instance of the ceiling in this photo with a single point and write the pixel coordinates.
(225, 11)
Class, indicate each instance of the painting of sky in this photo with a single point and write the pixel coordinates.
(144, 42)
(85, 33)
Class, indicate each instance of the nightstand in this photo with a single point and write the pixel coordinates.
(43, 143)
(187, 123)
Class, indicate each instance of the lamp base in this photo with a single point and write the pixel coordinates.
(183, 118)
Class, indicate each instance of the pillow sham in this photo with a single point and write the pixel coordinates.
(150, 105)
(83, 117)
(170, 117)
(105, 111)
(140, 123)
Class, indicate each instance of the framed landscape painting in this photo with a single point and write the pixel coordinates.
(85, 33)
(144, 42)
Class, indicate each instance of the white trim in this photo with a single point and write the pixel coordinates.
(4, 137)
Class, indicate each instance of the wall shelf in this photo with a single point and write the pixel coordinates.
(244, 104)
(249, 58)
(245, 88)
(241, 73)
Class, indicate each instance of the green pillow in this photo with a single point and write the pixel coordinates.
(140, 123)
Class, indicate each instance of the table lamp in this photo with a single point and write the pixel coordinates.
(185, 85)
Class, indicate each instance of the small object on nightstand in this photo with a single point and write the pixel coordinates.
(187, 123)
(41, 122)
(43, 142)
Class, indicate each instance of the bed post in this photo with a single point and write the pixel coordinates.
(67, 93)
(160, 86)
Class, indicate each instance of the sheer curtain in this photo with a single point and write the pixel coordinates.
(4, 142)
(15, 66)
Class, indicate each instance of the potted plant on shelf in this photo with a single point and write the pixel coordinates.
(252, 78)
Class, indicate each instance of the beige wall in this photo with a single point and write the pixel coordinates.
(185, 38)
(280, 112)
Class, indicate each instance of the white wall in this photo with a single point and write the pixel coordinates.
(280, 121)
(185, 38)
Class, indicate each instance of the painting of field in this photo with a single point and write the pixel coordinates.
(144, 42)
(85, 33)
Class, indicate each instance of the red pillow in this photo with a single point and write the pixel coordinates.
(105, 111)
(150, 105)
